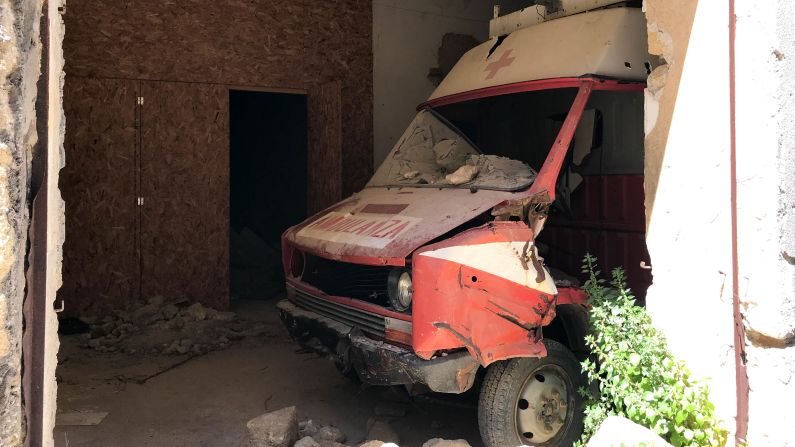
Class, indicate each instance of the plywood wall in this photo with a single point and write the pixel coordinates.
(185, 186)
(283, 44)
(100, 267)
(186, 55)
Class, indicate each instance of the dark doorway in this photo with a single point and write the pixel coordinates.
(268, 146)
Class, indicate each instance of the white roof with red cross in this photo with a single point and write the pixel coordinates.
(607, 42)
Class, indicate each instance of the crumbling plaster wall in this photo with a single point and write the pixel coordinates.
(765, 120)
(20, 71)
(689, 206)
(20, 51)
(406, 40)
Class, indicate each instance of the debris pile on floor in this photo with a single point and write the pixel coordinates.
(160, 327)
(281, 428)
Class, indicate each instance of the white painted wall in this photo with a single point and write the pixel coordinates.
(765, 73)
(689, 234)
(406, 37)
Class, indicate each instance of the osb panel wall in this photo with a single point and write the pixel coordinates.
(185, 186)
(325, 146)
(297, 44)
(98, 183)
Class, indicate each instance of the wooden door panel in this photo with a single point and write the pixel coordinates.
(185, 188)
(100, 266)
(324, 157)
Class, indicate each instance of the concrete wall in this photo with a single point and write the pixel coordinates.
(20, 53)
(689, 202)
(765, 73)
(21, 56)
(406, 38)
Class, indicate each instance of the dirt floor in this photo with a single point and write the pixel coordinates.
(205, 399)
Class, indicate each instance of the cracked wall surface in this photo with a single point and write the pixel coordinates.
(20, 54)
(765, 73)
(689, 206)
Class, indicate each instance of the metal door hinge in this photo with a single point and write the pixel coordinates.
(140, 201)
(140, 100)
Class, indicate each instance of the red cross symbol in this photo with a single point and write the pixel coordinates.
(504, 61)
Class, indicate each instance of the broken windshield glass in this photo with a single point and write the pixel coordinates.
(433, 153)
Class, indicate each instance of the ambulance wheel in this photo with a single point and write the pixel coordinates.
(532, 401)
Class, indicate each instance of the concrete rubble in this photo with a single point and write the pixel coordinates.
(439, 442)
(616, 430)
(281, 429)
(275, 429)
(165, 327)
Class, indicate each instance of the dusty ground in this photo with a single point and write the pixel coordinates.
(178, 400)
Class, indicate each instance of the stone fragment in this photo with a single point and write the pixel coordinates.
(275, 429)
(169, 311)
(177, 323)
(382, 431)
(144, 312)
(373, 443)
(462, 175)
(306, 441)
(616, 430)
(330, 433)
(196, 311)
(307, 428)
(439, 442)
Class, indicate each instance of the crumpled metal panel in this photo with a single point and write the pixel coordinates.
(484, 290)
(383, 226)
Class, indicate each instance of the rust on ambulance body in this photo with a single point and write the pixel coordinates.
(435, 270)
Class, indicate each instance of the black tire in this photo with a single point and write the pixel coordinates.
(501, 406)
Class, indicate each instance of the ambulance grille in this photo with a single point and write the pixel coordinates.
(366, 321)
(361, 282)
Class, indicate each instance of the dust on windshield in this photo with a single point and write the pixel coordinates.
(433, 153)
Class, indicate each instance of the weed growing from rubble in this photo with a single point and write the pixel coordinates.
(636, 375)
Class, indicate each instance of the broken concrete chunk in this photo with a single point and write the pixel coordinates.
(463, 175)
(616, 430)
(381, 430)
(411, 174)
(306, 441)
(308, 428)
(145, 312)
(330, 433)
(169, 311)
(196, 311)
(275, 429)
(376, 443)
(439, 442)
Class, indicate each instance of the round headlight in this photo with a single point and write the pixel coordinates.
(400, 289)
(297, 263)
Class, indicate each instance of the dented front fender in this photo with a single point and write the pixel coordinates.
(484, 290)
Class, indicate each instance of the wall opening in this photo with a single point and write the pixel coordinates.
(268, 185)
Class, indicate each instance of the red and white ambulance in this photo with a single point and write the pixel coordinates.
(438, 272)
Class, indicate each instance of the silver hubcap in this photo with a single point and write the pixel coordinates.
(543, 405)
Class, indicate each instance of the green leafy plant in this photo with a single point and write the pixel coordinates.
(631, 372)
